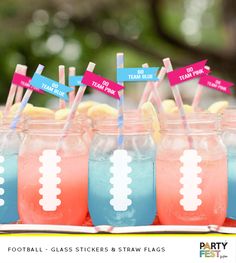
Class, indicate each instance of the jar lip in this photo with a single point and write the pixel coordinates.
(78, 118)
(191, 118)
(6, 122)
(229, 112)
(129, 116)
(55, 127)
(228, 118)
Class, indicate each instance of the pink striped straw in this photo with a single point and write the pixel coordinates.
(19, 93)
(147, 90)
(179, 102)
(78, 97)
(12, 92)
(155, 95)
(198, 94)
(72, 72)
(62, 80)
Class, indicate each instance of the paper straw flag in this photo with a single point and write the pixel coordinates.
(12, 92)
(76, 102)
(19, 92)
(24, 102)
(72, 72)
(62, 77)
(198, 94)
(120, 64)
(179, 102)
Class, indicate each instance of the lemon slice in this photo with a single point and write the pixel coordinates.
(61, 114)
(218, 106)
(85, 106)
(148, 111)
(101, 111)
(40, 113)
(168, 105)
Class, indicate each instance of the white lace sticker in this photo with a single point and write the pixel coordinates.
(2, 202)
(120, 180)
(49, 180)
(190, 180)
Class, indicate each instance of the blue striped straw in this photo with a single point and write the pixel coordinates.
(120, 105)
(24, 101)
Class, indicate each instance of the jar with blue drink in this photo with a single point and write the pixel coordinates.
(9, 146)
(122, 177)
(228, 127)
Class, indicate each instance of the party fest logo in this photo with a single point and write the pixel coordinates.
(213, 250)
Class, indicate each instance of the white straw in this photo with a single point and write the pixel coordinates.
(62, 80)
(72, 72)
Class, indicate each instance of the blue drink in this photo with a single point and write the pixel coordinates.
(8, 188)
(231, 210)
(142, 211)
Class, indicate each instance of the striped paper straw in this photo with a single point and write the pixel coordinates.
(12, 92)
(19, 92)
(179, 102)
(120, 120)
(198, 94)
(76, 102)
(147, 90)
(155, 92)
(62, 80)
(72, 72)
(16, 118)
(24, 101)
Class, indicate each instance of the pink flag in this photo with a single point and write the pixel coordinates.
(187, 73)
(104, 85)
(24, 82)
(216, 83)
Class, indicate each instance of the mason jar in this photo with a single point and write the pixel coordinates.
(122, 189)
(191, 171)
(228, 129)
(10, 141)
(53, 173)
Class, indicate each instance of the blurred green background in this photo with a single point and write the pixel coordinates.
(74, 32)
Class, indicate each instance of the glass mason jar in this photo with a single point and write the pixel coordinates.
(122, 179)
(191, 172)
(9, 148)
(53, 176)
(228, 128)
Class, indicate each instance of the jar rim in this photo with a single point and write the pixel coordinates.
(198, 122)
(191, 118)
(53, 126)
(131, 119)
(6, 122)
(228, 118)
